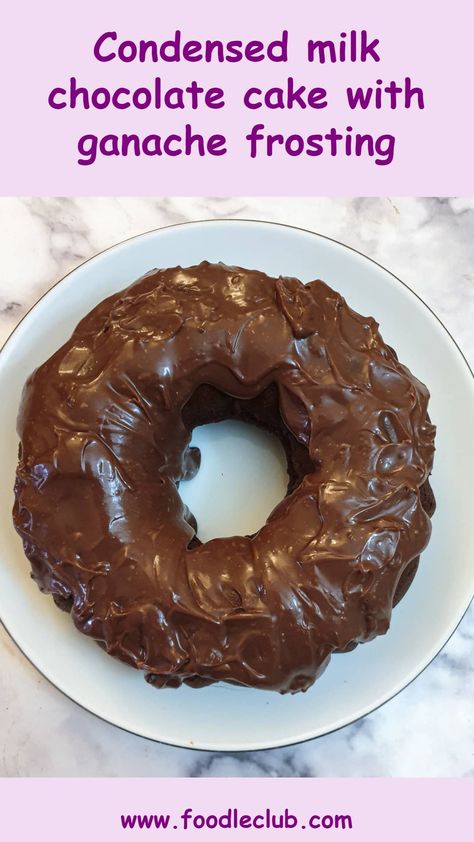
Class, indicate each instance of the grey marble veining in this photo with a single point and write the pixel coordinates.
(428, 729)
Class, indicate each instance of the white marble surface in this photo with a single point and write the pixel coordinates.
(428, 729)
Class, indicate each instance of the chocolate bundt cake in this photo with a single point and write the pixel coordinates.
(105, 428)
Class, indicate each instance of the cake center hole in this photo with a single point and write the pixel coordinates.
(243, 476)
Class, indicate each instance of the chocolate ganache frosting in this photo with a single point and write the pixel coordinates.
(105, 428)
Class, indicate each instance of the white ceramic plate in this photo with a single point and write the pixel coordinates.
(223, 717)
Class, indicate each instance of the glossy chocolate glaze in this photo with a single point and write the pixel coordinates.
(105, 426)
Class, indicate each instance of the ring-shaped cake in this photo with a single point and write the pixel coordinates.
(105, 428)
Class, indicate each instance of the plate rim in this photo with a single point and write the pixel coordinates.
(359, 716)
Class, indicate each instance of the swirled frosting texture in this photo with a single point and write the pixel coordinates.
(104, 447)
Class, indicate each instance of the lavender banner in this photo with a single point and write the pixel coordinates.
(266, 99)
